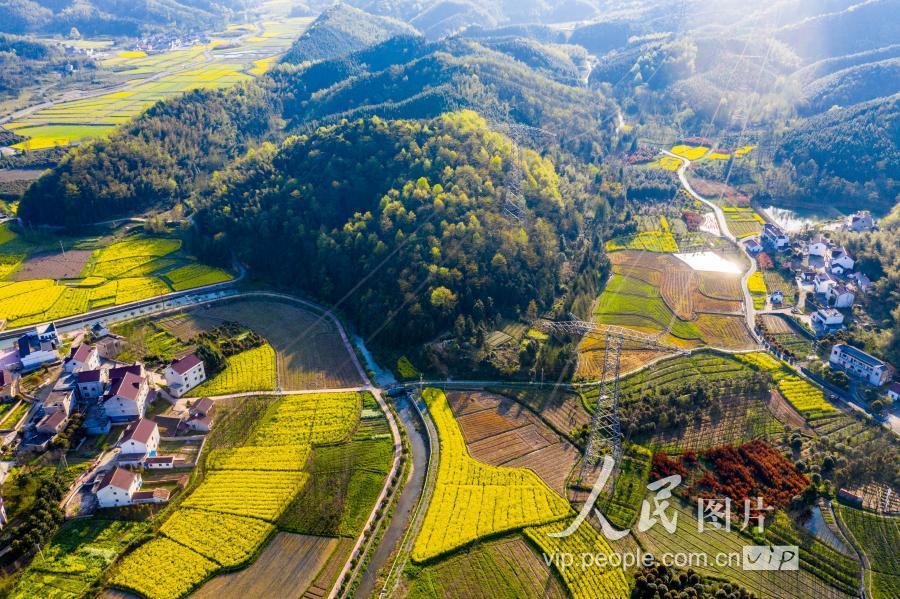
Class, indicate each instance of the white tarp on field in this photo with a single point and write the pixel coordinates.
(709, 262)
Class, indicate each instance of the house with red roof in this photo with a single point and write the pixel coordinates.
(140, 441)
(126, 398)
(117, 488)
(184, 374)
(83, 357)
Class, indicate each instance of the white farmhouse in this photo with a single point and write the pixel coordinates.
(818, 246)
(894, 391)
(117, 488)
(823, 283)
(861, 221)
(58, 401)
(774, 235)
(840, 261)
(828, 319)
(140, 441)
(90, 384)
(184, 374)
(126, 398)
(857, 363)
(842, 295)
(83, 357)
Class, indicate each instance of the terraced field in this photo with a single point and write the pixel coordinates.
(251, 370)
(227, 518)
(658, 294)
(879, 537)
(500, 432)
(508, 567)
(800, 584)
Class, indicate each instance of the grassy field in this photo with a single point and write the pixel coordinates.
(505, 568)
(251, 370)
(225, 520)
(879, 537)
(472, 500)
(75, 558)
(594, 581)
(53, 278)
(621, 507)
(801, 584)
(154, 77)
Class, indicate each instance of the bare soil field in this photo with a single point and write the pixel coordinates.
(562, 410)
(720, 286)
(285, 568)
(776, 324)
(309, 351)
(713, 190)
(327, 576)
(53, 266)
(19, 174)
(729, 332)
(501, 432)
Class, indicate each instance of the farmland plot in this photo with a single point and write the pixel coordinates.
(309, 353)
(879, 537)
(562, 410)
(500, 432)
(289, 562)
(504, 568)
(251, 370)
(253, 475)
(800, 584)
(473, 500)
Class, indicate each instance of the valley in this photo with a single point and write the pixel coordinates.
(449, 299)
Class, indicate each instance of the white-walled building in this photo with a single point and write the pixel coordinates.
(58, 401)
(818, 246)
(827, 320)
(140, 441)
(774, 235)
(840, 258)
(861, 221)
(83, 357)
(117, 488)
(857, 363)
(894, 391)
(184, 374)
(90, 384)
(842, 295)
(824, 282)
(126, 398)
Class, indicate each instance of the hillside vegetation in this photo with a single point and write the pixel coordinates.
(412, 209)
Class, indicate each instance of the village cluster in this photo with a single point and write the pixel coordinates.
(826, 278)
(89, 388)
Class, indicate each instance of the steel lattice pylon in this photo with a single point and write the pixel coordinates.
(606, 429)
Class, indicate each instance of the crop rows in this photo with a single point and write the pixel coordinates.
(879, 538)
(224, 538)
(652, 241)
(287, 457)
(594, 581)
(196, 275)
(162, 568)
(804, 396)
(251, 370)
(472, 500)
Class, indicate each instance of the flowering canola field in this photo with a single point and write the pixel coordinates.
(226, 520)
(472, 500)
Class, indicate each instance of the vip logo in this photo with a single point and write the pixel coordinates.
(775, 557)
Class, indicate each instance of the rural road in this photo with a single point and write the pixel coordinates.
(749, 310)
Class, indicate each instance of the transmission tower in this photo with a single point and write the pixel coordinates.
(606, 430)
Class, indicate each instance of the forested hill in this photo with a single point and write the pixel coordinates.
(413, 210)
(342, 30)
(855, 145)
(172, 150)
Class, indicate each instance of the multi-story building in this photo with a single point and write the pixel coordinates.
(857, 363)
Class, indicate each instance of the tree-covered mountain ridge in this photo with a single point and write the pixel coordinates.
(418, 210)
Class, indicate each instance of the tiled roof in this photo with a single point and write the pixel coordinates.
(140, 431)
(88, 376)
(81, 352)
(53, 420)
(117, 477)
(184, 364)
(859, 354)
(127, 387)
(202, 405)
(120, 371)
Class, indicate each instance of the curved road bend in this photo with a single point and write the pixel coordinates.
(749, 310)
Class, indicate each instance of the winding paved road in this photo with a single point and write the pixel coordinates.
(749, 310)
